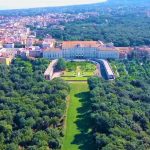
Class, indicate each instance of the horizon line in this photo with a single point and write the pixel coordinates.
(38, 7)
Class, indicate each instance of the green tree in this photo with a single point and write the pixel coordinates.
(61, 65)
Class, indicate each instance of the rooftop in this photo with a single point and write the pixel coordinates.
(50, 67)
(108, 68)
(124, 50)
(87, 44)
(108, 48)
(71, 44)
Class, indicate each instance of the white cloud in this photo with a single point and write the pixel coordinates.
(12, 4)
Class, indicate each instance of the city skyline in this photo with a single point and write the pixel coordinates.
(17, 4)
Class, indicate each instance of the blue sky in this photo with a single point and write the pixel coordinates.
(13, 4)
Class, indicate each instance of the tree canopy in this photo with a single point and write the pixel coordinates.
(31, 108)
(120, 108)
(61, 65)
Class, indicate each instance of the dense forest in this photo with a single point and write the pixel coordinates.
(120, 109)
(121, 30)
(31, 108)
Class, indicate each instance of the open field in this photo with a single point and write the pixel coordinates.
(77, 134)
(79, 71)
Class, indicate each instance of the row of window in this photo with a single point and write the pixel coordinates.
(100, 55)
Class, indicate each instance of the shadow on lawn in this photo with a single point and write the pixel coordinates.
(84, 139)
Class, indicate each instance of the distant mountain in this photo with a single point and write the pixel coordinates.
(78, 8)
(128, 2)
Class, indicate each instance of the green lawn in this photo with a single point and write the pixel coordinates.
(79, 71)
(68, 74)
(73, 73)
(77, 135)
(75, 78)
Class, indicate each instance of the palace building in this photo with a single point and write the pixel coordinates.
(81, 50)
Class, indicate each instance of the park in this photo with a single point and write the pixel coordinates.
(77, 123)
(78, 71)
(77, 129)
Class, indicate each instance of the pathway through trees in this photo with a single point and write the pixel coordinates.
(77, 135)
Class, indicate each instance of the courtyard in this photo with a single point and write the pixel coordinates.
(79, 71)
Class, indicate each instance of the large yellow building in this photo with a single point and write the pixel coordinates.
(6, 60)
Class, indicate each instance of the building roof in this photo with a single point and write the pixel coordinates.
(107, 67)
(50, 67)
(108, 48)
(124, 49)
(72, 44)
(86, 44)
(143, 48)
(52, 49)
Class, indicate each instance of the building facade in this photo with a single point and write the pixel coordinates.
(6, 60)
(82, 50)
